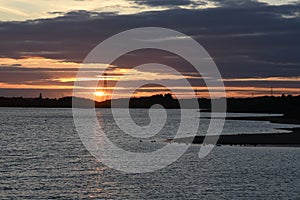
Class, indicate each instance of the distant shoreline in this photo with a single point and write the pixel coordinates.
(266, 104)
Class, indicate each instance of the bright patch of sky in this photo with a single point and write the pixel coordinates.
(21, 10)
(278, 2)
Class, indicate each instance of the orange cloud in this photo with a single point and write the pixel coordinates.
(60, 78)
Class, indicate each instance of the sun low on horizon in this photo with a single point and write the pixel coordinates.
(100, 96)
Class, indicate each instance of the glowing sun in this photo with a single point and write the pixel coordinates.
(99, 94)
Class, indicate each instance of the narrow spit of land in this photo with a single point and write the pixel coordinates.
(291, 139)
(264, 139)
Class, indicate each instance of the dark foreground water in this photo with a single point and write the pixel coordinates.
(42, 157)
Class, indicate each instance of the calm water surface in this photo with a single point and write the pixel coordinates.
(42, 157)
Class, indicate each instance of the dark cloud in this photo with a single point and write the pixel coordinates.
(239, 3)
(34, 76)
(164, 2)
(220, 3)
(56, 13)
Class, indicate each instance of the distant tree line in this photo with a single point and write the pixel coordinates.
(289, 105)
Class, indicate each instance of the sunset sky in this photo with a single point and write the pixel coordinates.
(255, 44)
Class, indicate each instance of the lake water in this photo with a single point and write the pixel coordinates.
(42, 157)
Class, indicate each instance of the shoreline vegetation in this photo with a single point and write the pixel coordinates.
(289, 105)
(265, 104)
